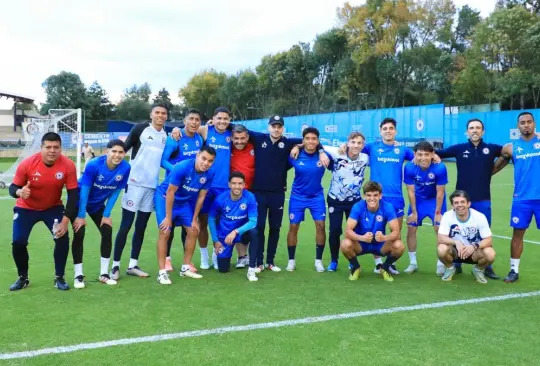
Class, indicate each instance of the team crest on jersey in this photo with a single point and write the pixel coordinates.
(15, 216)
(118, 178)
(291, 216)
(197, 143)
(396, 150)
(330, 209)
(431, 175)
(228, 139)
(378, 218)
(59, 175)
(515, 219)
(130, 203)
(537, 145)
(264, 144)
(281, 145)
(485, 151)
(319, 164)
(243, 206)
(163, 140)
(252, 152)
(202, 180)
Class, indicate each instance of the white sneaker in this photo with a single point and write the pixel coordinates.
(78, 282)
(393, 270)
(319, 266)
(204, 264)
(291, 266)
(163, 278)
(190, 274)
(377, 269)
(413, 267)
(242, 262)
(259, 269)
(214, 261)
(440, 270)
(272, 267)
(106, 279)
(251, 276)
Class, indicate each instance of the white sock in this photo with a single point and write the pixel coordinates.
(204, 255)
(412, 257)
(378, 261)
(116, 264)
(514, 265)
(162, 271)
(185, 267)
(105, 265)
(133, 263)
(441, 264)
(77, 268)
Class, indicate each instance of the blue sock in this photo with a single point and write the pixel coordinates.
(319, 252)
(292, 252)
(490, 268)
(354, 264)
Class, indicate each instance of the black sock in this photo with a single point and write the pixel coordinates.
(354, 263)
(389, 261)
(319, 251)
(138, 235)
(121, 236)
(292, 252)
(20, 256)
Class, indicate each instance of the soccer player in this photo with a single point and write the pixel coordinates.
(347, 178)
(366, 232)
(147, 142)
(178, 202)
(177, 151)
(475, 160)
(37, 186)
(232, 216)
(307, 193)
(426, 182)
(102, 181)
(464, 237)
(88, 153)
(525, 154)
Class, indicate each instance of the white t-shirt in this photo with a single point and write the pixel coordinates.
(347, 175)
(472, 231)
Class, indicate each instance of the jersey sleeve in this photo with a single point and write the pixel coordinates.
(409, 154)
(408, 174)
(215, 209)
(134, 135)
(496, 150)
(209, 180)
(367, 148)
(177, 175)
(170, 147)
(332, 151)
(444, 226)
(441, 178)
(21, 176)
(356, 212)
(389, 212)
(252, 207)
(89, 175)
(483, 227)
(449, 152)
(71, 175)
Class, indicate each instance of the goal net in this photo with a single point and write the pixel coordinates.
(66, 122)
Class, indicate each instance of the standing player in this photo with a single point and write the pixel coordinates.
(347, 177)
(87, 153)
(103, 180)
(307, 193)
(464, 237)
(366, 229)
(37, 186)
(233, 215)
(426, 183)
(178, 202)
(525, 154)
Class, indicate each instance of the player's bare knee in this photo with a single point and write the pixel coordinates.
(398, 248)
(489, 254)
(442, 250)
(346, 246)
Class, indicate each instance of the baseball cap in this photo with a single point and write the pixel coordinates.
(276, 119)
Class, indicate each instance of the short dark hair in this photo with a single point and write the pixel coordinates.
(161, 105)
(51, 136)
(116, 142)
(312, 130)
(209, 149)
(474, 120)
(424, 146)
(459, 193)
(524, 114)
(388, 120)
(372, 186)
(237, 175)
(194, 111)
(238, 128)
(223, 110)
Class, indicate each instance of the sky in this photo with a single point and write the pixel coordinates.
(124, 42)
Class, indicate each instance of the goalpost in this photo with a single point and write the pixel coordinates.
(66, 122)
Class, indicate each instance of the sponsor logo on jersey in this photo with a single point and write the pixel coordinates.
(100, 177)
(59, 175)
(387, 160)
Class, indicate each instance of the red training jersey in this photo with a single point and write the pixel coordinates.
(46, 182)
(244, 161)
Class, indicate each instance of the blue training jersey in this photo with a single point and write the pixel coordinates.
(188, 181)
(386, 166)
(425, 181)
(183, 149)
(308, 174)
(371, 222)
(231, 214)
(102, 180)
(526, 158)
(221, 142)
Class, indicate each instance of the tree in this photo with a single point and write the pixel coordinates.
(98, 107)
(202, 91)
(163, 97)
(135, 105)
(64, 91)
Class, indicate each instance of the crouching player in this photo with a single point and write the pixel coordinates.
(365, 233)
(464, 237)
(178, 201)
(103, 180)
(232, 217)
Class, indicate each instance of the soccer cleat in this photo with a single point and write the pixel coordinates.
(242, 262)
(104, 278)
(115, 273)
(204, 265)
(393, 270)
(168, 265)
(386, 276)
(355, 274)
(60, 283)
(413, 267)
(272, 268)
(319, 266)
(259, 269)
(251, 276)
(448, 274)
(21, 283)
(512, 277)
(79, 283)
(192, 268)
(291, 266)
(488, 272)
(214, 261)
(332, 267)
(377, 269)
(440, 270)
(190, 274)
(163, 279)
(479, 275)
(137, 272)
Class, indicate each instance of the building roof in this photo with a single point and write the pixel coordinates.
(17, 97)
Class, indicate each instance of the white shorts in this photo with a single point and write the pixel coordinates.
(138, 199)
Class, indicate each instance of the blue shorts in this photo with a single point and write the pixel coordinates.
(398, 203)
(298, 206)
(483, 207)
(522, 213)
(182, 214)
(426, 208)
(371, 248)
(24, 220)
(228, 248)
(211, 196)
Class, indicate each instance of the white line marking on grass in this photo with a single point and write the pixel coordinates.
(250, 327)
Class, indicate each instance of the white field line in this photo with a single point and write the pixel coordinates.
(251, 327)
